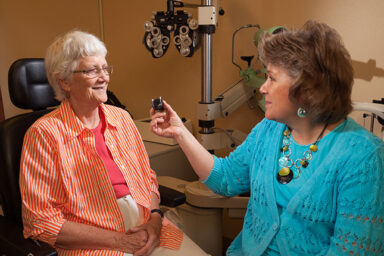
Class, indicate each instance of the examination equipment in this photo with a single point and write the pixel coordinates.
(190, 33)
(157, 104)
(251, 75)
(184, 27)
(376, 110)
(233, 97)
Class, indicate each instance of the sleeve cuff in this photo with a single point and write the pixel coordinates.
(47, 231)
(214, 178)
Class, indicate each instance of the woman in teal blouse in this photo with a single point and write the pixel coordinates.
(316, 177)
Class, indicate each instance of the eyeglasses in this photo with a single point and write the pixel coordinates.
(96, 72)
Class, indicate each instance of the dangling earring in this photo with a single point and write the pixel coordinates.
(301, 112)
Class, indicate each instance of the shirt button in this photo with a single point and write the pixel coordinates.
(275, 226)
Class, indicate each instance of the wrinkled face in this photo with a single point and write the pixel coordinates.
(278, 106)
(85, 90)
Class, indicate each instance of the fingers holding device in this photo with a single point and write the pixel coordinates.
(165, 121)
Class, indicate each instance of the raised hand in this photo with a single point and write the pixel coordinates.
(166, 123)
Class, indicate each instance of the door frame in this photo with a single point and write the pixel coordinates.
(2, 117)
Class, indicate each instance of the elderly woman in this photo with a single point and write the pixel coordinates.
(316, 178)
(86, 184)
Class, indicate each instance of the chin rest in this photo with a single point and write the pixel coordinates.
(28, 89)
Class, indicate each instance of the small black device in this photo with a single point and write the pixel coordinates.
(157, 104)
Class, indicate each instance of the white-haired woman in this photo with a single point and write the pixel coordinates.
(86, 184)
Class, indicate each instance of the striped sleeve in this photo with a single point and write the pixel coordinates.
(171, 237)
(40, 187)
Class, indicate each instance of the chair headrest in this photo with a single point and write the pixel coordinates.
(28, 85)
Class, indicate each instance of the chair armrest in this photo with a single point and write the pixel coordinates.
(170, 197)
(12, 241)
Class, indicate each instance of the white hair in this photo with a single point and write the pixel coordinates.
(63, 55)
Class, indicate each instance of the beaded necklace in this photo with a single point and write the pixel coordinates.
(285, 175)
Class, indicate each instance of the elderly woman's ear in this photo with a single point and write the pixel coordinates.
(63, 83)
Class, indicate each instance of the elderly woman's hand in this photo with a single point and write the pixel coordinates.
(131, 242)
(153, 228)
(166, 123)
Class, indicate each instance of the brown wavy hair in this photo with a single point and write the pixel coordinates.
(317, 60)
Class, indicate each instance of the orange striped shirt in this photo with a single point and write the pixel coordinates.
(63, 178)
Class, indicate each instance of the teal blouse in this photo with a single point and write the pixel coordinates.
(284, 193)
(335, 207)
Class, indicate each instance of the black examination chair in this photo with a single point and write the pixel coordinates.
(28, 89)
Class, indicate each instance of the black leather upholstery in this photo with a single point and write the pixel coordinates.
(11, 136)
(32, 90)
(28, 89)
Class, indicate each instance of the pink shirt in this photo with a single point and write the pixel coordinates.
(117, 179)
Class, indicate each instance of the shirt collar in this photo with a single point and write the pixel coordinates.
(110, 117)
(72, 122)
(74, 126)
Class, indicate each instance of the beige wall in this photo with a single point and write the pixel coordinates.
(27, 27)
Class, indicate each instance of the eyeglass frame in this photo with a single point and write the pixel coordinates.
(107, 71)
